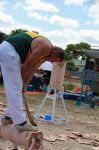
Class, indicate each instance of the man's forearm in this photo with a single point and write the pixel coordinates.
(28, 71)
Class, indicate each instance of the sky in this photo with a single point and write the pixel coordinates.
(63, 22)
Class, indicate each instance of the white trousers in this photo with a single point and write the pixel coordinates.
(11, 70)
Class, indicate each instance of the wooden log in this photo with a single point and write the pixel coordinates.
(57, 75)
(21, 138)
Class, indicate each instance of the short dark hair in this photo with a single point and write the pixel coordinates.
(60, 52)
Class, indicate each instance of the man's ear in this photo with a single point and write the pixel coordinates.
(59, 52)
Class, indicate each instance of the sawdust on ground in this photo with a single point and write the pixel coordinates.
(81, 133)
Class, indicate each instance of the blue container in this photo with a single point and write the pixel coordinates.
(48, 117)
(78, 102)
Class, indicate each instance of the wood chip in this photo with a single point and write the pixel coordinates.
(50, 138)
(95, 136)
(1, 104)
(62, 137)
(94, 148)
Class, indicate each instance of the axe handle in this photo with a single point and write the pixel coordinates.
(28, 112)
(24, 98)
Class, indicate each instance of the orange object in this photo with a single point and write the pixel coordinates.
(76, 89)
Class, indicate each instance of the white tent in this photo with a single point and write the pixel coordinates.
(46, 66)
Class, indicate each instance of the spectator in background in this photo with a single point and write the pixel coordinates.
(46, 80)
(37, 80)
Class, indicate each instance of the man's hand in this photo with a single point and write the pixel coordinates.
(29, 68)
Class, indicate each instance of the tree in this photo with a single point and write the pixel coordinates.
(14, 32)
(71, 66)
(2, 37)
(71, 49)
(83, 45)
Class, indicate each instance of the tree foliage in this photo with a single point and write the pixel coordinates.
(83, 45)
(3, 36)
(71, 66)
(17, 31)
(70, 51)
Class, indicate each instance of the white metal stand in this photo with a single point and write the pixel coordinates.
(54, 97)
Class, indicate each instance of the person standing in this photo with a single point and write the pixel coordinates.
(20, 57)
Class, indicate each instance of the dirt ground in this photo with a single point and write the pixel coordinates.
(81, 133)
